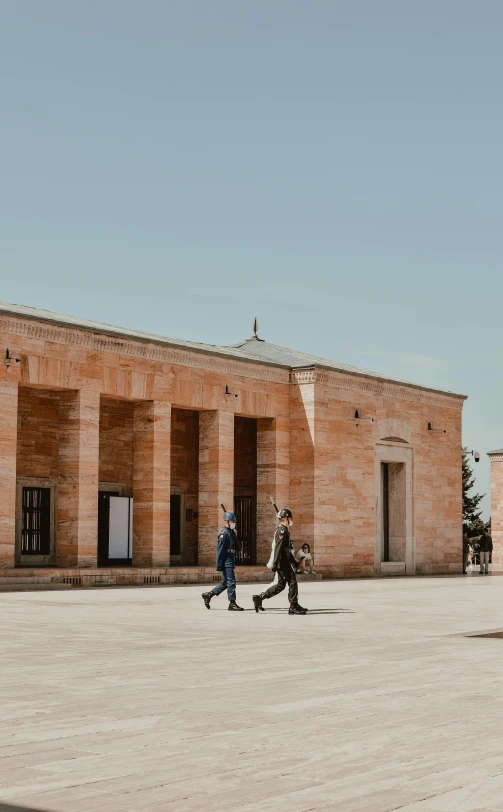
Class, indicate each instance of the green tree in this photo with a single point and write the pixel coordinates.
(473, 524)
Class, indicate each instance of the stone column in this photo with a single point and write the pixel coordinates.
(8, 452)
(496, 458)
(216, 477)
(302, 460)
(272, 479)
(151, 483)
(77, 511)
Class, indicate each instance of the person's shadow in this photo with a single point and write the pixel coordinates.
(284, 610)
(315, 611)
(11, 808)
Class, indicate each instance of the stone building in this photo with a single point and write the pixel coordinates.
(117, 446)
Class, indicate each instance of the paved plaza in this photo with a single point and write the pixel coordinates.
(140, 699)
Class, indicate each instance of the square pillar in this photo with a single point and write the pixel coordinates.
(496, 458)
(272, 480)
(8, 453)
(151, 483)
(77, 511)
(216, 478)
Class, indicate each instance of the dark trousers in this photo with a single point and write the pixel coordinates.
(228, 582)
(284, 578)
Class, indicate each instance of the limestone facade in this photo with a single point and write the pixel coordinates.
(496, 458)
(89, 409)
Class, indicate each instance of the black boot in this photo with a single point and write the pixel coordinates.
(207, 596)
(297, 610)
(301, 607)
(233, 607)
(257, 602)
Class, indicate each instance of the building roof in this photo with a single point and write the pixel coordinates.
(498, 451)
(253, 349)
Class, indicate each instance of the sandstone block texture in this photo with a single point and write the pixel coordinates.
(151, 484)
(497, 506)
(216, 477)
(8, 454)
(77, 526)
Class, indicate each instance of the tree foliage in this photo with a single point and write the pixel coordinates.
(473, 524)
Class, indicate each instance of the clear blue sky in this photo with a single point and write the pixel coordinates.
(334, 168)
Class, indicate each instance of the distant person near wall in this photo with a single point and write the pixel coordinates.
(486, 548)
(305, 559)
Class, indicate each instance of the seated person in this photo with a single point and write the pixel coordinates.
(305, 559)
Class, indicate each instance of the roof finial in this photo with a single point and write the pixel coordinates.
(255, 328)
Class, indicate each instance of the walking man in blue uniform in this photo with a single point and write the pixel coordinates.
(226, 555)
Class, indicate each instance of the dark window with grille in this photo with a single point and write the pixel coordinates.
(36, 532)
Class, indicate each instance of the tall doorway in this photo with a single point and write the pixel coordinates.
(243, 508)
(175, 528)
(245, 487)
(394, 546)
(394, 531)
(114, 529)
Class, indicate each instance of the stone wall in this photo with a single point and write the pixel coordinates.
(344, 480)
(346, 484)
(38, 433)
(245, 456)
(116, 443)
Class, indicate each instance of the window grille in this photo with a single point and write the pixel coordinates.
(36, 524)
(243, 508)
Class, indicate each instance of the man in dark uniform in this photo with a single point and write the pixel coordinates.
(285, 565)
(486, 548)
(226, 553)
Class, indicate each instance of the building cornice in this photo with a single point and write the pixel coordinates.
(333, 379)
(162, 352)
(78, 337)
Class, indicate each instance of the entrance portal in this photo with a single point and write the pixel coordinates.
(243, 508)
(245, 487)
(175, 527)
(394, 529)
(114, 529)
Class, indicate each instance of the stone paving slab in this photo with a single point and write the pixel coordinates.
(133, 700)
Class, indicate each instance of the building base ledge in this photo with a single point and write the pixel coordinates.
(392, 567)
(24, 579)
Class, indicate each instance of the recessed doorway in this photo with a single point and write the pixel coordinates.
(393, 512)
(394, 547)
(175, 528)
(114, 529)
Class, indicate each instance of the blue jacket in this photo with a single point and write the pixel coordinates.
(226, 548)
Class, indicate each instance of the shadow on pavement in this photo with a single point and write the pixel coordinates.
(285, 611)
(12, 808)
(317, 611)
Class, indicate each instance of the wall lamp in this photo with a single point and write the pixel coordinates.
(436, 431)
(359, 419)
(230, 394)
(10, 359)
(474, 454)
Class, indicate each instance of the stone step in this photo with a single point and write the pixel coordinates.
(25, 579)
(15, 587)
